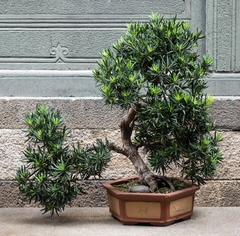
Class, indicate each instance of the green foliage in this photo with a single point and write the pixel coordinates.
(155, 69)
(92, 162)
(52, 169)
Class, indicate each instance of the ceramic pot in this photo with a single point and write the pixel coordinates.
(152, 208)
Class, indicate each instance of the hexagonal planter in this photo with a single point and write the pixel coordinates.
(153, 208)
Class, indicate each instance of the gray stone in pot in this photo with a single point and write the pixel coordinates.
(139, 189)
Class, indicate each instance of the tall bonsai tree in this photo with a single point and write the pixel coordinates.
(52, 169)
(155, 74)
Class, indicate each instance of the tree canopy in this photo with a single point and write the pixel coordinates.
(155, 69)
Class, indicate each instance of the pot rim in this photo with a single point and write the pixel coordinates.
(186, 191)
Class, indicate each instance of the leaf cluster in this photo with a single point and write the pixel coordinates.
(92, 161)
(155, 69)
(52, 169)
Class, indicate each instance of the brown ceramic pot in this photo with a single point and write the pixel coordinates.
(152, 208)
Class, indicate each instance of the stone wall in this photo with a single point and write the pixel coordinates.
(53, 54)
(90, 119)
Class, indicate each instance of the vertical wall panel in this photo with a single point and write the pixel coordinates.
(237, 36)
(222, 30)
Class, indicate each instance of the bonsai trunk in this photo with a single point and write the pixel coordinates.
(145, 174)
(131, 151)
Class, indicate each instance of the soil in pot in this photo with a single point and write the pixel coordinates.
(163, 187)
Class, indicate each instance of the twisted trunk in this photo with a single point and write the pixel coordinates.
(131, 151)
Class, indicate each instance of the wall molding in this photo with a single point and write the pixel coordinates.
(222, 34)
(82, 83)
(47, 83)
(58, 54)
(81, 28)
(89, 11)
(224, 84)
(4, 74)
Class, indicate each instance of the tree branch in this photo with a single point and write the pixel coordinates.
(167, 181)
(157, 142)
(117, 149)
(147, 144)
(112, 147)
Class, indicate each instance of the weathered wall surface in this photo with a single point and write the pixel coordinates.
(48, 49)
(91, 120)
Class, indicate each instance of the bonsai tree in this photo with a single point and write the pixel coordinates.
(155, 73)
(53, 169)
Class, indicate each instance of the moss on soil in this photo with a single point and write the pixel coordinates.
(177, 184)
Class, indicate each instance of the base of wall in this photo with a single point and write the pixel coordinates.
(90, 120)
(80, 83)
(216, 193)
(224, 84)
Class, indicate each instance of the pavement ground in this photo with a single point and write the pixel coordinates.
(213, 221)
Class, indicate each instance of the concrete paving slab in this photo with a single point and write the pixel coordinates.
(98, 221)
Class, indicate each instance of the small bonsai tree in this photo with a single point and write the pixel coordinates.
(155, 73)
(53, 169)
